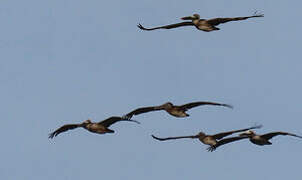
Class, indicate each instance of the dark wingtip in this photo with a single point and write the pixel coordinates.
(259, 15)
(51, 135)
(297, 136)
(256, 126)
(256, 14)
(141, 27)
(154, 137)
(228, 105)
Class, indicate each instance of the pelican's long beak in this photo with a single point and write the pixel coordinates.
(244, 134)
(188, 18)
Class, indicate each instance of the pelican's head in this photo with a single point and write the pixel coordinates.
(168, 105)
(247, 133)
(88, 121)
(201, 134)
(193, 17)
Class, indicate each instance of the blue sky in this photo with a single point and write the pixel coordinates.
(69, 60)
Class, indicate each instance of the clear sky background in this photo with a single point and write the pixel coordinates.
(64, 61)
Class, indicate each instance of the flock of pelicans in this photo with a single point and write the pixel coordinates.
(214, 141)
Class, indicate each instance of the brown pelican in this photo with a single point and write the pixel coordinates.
(177, 111)
(264, 139)
(99, 127)
(201, 24)
(212, 139)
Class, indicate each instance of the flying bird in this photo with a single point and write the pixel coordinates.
(264, 139)
(99, 127)
(212, 140)
(201, 24)
(177, 111)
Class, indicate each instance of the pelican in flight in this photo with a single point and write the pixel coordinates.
(201, 24)
(264, 139)
(177, 111)
(212, 140)
(99, 127)
(258, 139)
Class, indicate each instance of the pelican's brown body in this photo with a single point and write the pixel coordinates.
(209, 140)
(202, 24)
(97, 128)
(174, 110)
(259, 140)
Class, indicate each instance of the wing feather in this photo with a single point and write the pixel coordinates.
(186, 23)
(111, 120)
(223, 134)
(142, 110)
(225, 141)
(176, 137)
(63, 129)
(200, 103)
(273, 134)
(217, 21)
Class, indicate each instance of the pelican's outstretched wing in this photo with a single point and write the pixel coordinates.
(225, 141)
(272, 134)
(223, 134)
(217, 21)
(142, 110)
(63, 129)
(109, 121)
(177, 137)
(171, 26)
(200, 103)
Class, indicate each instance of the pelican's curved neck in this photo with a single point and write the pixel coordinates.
(195, 21)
